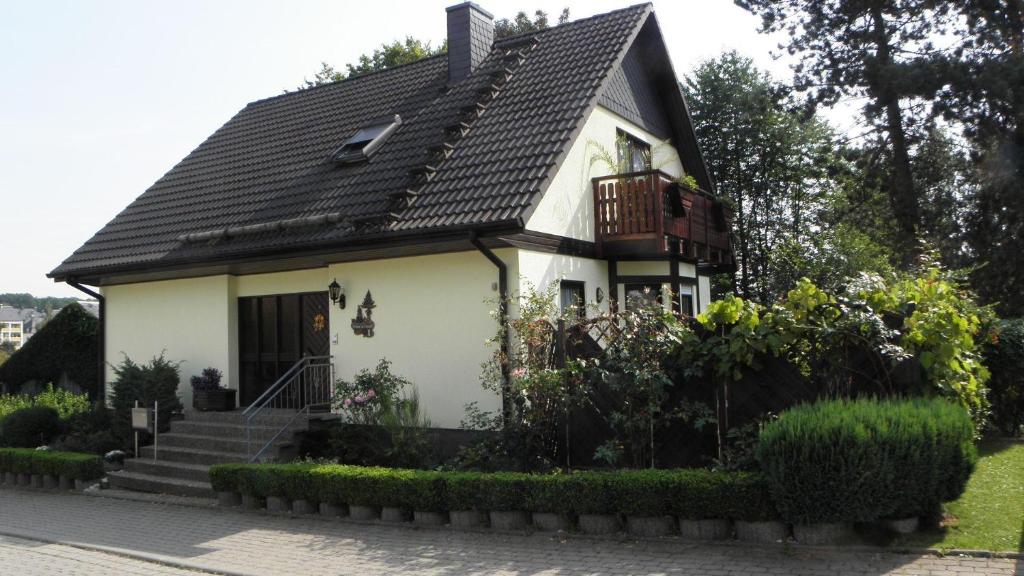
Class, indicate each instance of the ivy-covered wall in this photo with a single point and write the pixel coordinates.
(65, 345)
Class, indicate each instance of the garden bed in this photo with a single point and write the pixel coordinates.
(657, 501)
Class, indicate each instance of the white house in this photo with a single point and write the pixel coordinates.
(429, 188)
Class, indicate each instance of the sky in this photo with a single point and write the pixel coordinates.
(100, 98)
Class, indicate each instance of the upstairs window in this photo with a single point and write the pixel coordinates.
(634, 153)
(366, 140)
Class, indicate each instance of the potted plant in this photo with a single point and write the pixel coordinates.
(208, 395)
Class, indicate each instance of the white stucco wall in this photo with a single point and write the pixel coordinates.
(189, 320)
(540, 269)
(567, 208)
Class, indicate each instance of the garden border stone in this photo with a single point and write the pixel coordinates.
(551, 522)
(598, 523)
(251, 502)
(650, 526)
(903, 525)
(228, 498)
(359, 512)
(332, 510)
(429, 518)
(509, 519)
(393, 514)
(50, 482)
(303, 507)
(823, 533)
(467, 519)
(278, 505)
(706, 529)
(24, 479)
(65, 483)
(765, 532)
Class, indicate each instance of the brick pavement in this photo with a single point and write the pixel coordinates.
(32, 558)
(229, 541)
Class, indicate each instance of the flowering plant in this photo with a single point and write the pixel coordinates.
(208, 380)
(370, 395)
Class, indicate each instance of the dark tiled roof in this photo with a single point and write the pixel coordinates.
(271, 161)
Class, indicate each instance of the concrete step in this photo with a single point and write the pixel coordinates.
(212, 443)
(264, 417)
(166, 469)
(218, 429)
(159, 484)
(192, 455)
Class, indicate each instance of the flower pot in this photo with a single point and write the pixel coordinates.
(331, 510)
(551, 522)
(709, 529)
(360, 512)
(467, 519)
(509, 519)
(229, 499)
(762, 531)
(823, 534)
(393, 514)
(429, 518)
(65, 483)
(599, 523)
(303, 507)
(251, 502)
(278, 504)
(215, 400)
(903, 525)
(650, 526)
(50, 482)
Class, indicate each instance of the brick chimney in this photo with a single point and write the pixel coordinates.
(470, 36)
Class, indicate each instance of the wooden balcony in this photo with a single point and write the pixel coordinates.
(652, 213)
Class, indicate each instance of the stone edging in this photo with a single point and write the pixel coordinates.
(618, 537)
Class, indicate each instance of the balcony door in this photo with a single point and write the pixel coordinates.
(275, 332)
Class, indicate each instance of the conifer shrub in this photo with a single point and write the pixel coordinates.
(865, 459)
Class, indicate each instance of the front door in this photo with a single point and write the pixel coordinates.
(274, 332)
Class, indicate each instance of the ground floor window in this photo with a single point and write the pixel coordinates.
(642, 294)
(572, 296)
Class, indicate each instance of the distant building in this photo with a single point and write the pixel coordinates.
(12, 326)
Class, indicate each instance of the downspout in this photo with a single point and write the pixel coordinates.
(100, 338)
(506, 406)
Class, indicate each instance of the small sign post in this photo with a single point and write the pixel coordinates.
(144, 419)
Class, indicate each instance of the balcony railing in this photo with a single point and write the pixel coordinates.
(652, 213)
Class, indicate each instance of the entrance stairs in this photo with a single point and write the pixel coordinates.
(180, 463)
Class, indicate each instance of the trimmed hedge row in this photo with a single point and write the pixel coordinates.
(688, 494)
(864, 460)
(72, 465)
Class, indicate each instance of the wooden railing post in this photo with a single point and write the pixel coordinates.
(659, 209)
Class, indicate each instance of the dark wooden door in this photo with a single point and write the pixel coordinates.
(274, 332)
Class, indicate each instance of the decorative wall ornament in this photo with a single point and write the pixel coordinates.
(600, 295)
(363, 323)
(319, 322)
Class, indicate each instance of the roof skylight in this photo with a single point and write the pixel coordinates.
(366, 140)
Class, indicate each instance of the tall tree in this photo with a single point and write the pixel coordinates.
(985, 94)
(387, 56)
(779, 171)
(865, 49)
(522, 23)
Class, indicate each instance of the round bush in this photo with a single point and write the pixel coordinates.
(865, 459)
(30, 427)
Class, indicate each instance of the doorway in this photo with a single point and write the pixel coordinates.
(275, 332)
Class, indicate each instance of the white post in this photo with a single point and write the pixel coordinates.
(136, 431)
(156, 426)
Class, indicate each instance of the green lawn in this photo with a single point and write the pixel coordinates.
(990, 514)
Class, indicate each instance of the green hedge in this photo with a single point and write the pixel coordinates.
(64, 345)
(863, 460)
(691, 494)
(74, 465)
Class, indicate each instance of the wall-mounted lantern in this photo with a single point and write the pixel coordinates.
(337, 293)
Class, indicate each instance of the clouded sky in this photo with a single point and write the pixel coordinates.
(99, 99)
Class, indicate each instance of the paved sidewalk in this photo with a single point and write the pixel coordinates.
(32, 558)
(227, 541)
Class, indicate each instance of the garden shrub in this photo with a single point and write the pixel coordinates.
(30, 427)
(73, 465)
(862, 460)
(67, 404)
(156, 381)
(1004, 357)
(66, 345)
(691, 494)
(89, 432)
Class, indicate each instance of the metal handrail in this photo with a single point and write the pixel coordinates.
(306, 384)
